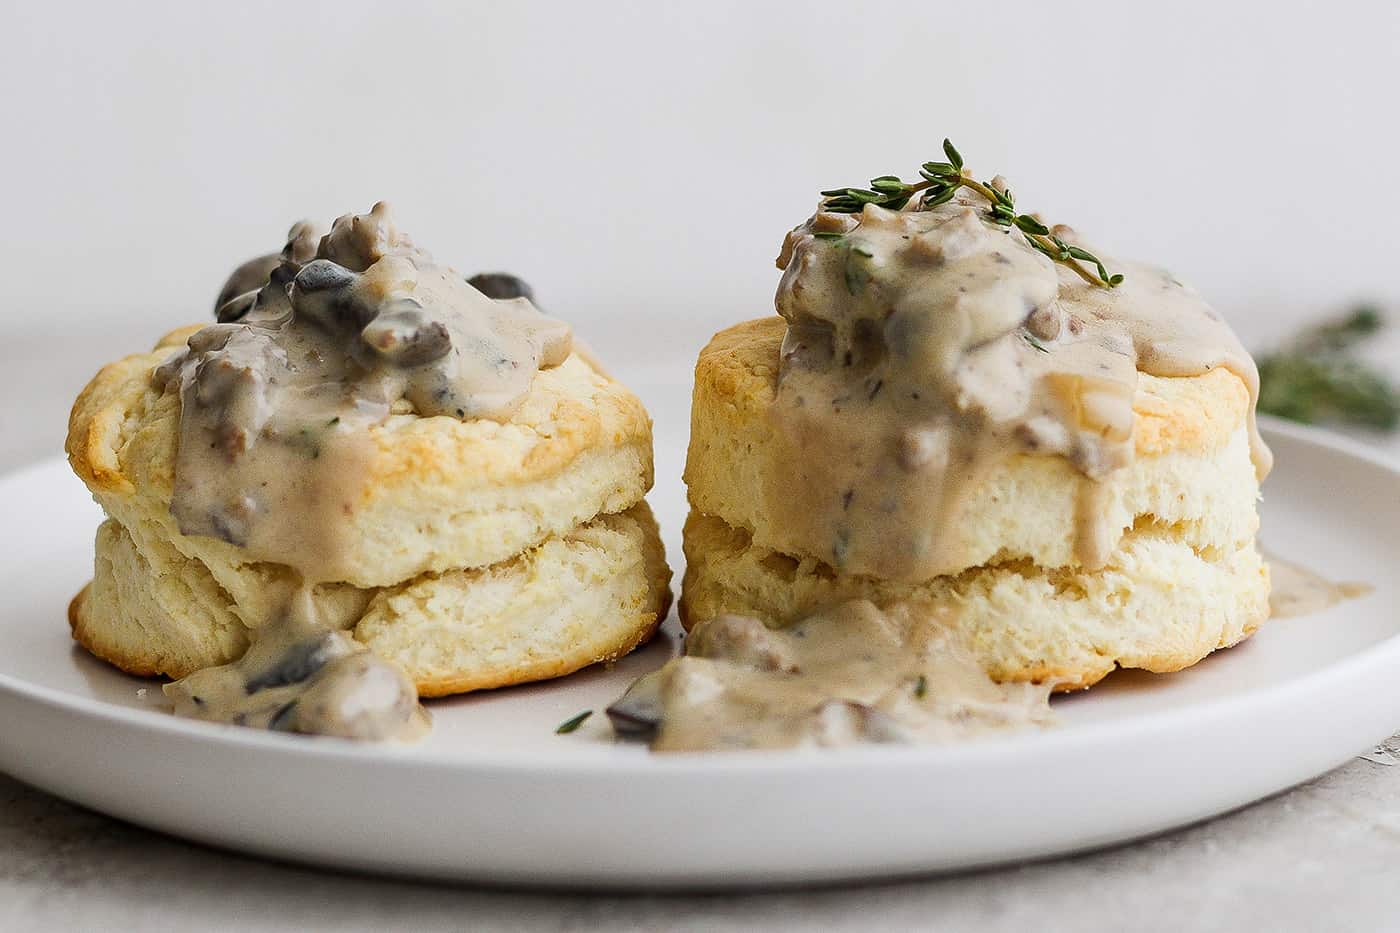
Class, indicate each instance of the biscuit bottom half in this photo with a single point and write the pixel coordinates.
(1160, 604)
(580, 598)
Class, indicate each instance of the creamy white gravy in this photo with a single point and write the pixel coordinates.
(851, 674)
(313, 347)
(1294, 590)
(926, 346)
(300, 675)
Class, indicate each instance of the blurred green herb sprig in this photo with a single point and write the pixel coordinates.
(1317, 376)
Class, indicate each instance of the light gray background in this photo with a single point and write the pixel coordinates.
(649, 156)
(639, 163)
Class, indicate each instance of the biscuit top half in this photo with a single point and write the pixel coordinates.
(928, 343)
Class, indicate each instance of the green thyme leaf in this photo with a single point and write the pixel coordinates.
(1001, 196)
(941, 197)
(1029, 224)
(569, 725)
(953, 155)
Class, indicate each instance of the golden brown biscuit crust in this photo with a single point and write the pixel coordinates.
(1025, 508)
(738, 368)
(436, 494)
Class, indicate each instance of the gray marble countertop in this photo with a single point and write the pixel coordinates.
(1324, 856)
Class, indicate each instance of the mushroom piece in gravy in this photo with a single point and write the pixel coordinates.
(313, 348)
(501, 285)
(299, 676)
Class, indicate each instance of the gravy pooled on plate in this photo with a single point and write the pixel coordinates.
(849, 675)
(313, 347)
(1294, 590)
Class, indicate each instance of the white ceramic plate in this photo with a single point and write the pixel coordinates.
(495, 795)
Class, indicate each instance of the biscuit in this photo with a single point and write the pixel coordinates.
(481, 553)
(1183, 575)
(1160, 604)
(589, 595)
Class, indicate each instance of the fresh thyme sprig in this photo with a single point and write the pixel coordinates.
(1317, 376)
(941, 180)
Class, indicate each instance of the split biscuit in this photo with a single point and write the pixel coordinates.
(1183, 577)
(481, 553)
